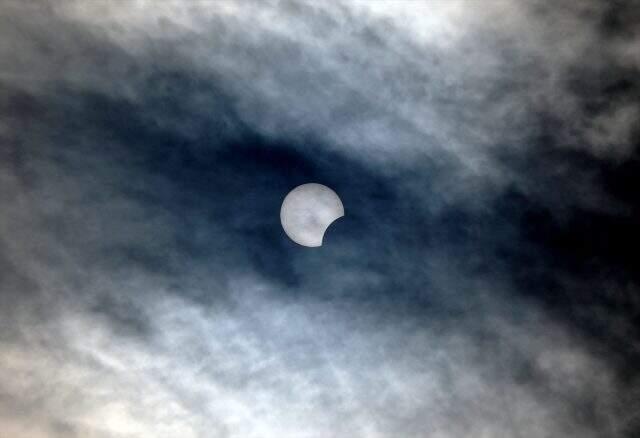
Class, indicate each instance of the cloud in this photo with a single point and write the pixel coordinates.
(268, 367)
(482, 282)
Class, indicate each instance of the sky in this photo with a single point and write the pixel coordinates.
(483, 282)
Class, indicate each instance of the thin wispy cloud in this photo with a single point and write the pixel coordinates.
(482, 282)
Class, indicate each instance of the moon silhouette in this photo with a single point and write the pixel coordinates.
(307, 211)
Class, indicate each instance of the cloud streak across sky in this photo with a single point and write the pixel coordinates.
(482, 283)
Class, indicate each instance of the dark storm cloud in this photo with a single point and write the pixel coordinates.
(481, 283)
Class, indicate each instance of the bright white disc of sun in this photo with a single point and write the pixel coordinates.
(307, 211)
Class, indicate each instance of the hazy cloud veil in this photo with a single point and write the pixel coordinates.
(483, 283)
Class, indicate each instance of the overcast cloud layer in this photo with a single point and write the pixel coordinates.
(484, 281)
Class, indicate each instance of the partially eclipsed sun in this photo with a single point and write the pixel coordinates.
(307, 211)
